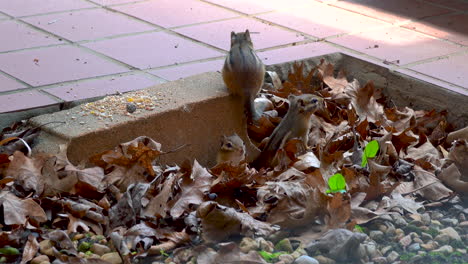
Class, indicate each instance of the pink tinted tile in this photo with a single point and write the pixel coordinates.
(298, 52)
(322, 21)
(244, 6)
(452, 27)
(182, 71)
(8, 84)
(100, 87)
(31, 7)
(88, 24)
(55, 64)
(24, 100)
(461, 5)
(396, 44)
(152, 50)
(19, 36)
(171, 13)
(218, 33)
(392, 11)
(3, 17)
(113, 2)
(453, 69)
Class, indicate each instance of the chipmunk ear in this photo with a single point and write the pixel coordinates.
(247, 35)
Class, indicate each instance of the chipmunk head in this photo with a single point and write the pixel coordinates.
(232, 143)
(305, 103)
(241, 38)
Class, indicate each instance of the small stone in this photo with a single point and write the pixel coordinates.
(436, 223)
(405, 241)
(383, 228)
(416, 217)
(416, 223)
(131, 107)
(45, 262)
(380, 260)
(416, 258)
(46, 247)
(304, 259)
(376, 235)
(372, 251)
(247, 244)
(449, 231)
(324, 260)
(399, 220)
(40, 259)
(426, 237)
(462, 250)
(399, 233)
(391, 230)
(284, 245)
(392, 257)
(299, 252)
(100, 249)
(417, 240)
(286, 258)
(436, 215)
(78, 236)
(442, 249)
(442, 239)
(385, 250)
(449, 221)
(265, 245)
(461, 217)
(426, 219)
(414, 247)
(113, 258)
(463, 224)
(431, 245)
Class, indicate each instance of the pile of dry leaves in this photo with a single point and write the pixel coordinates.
(145, 208)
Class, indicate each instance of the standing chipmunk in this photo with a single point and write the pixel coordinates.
(232, 150)
(243, 72)
(295, 124)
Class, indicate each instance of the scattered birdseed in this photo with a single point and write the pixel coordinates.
(118, 105)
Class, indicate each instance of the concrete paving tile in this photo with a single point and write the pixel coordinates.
(461, 5)
(19, 36)
(9, 84)
(182, 71)
(392, 11)
(394, 44)
(24, 100)
(218, 33)
(244, 6)
(453, 69)
(322, 21)
(88, 24)
(18, 8)
(429, 79)
(113, 2)
(101, 87)
(172, 13)
(153, 50)
(2, 16)
(298, 52)
(56, 64)
(451, 27)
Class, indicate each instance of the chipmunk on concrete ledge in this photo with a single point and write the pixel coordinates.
(295, 124)
(232, 150)
(243, 72)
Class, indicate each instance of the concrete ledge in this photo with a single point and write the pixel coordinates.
(196, 110)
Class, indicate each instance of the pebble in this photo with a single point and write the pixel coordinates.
(399, 221)
(416, 258)
(399, 233)
(426, 237)
(284, 245)
(305, 260)
(449, 231)
(442, 239)
(463, 224)
(449, 221)
(46, 247)
(414, 247)
(100, 249)
(40, 259)
(376, 235)
(286, 258)
(431, 245)
(379, 260)
(247, 244)
(446, 248)
(417, 240)
(78, 236)
(392, 257)
(405, 241)
(436, 215)
(385, 250)
(436, 223)
(324, 260)
(426, 219)
(265, 245)
(113, 258)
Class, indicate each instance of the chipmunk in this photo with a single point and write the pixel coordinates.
(243, 72)
(232, 150)
(295, 124)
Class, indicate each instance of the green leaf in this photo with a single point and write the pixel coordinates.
(270, 257)
(359, 228)
(370, 151)
(9, 251)
(336, 183)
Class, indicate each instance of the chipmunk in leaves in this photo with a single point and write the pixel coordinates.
(232, 150)
(243, 72)
(295, 124)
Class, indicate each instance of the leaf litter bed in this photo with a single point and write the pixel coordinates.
(371, 167)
